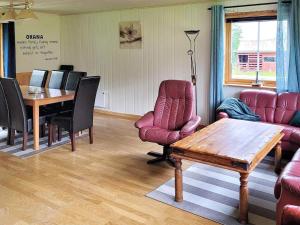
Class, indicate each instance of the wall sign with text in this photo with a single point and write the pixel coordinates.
(38, 45)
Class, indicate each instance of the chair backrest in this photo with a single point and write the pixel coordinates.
(175, 105)
(38, 78)
(84, 102)
(4, 112)
(15, 102)
(66, 67)
(56, 79)
(72, 80)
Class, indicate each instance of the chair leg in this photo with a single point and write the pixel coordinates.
(59, 133)
(54, 133)
(11, 136)
(72, 137)
(43, 130)
(91, 134)
(25, 139)
(50, 134)
(8, 141)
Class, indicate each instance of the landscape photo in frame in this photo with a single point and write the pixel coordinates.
(130, 35)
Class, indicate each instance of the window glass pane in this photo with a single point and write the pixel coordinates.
(253, 48)
(244, 50)
(267, 48)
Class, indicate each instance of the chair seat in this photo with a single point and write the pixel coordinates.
(63, 120)
(159, 135)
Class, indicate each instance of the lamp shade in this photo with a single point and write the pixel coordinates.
(9, 16)
(25, 14)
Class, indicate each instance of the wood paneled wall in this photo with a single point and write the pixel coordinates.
(132, 76)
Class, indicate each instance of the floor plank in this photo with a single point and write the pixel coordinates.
(100, 184)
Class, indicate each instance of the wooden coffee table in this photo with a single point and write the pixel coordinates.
(230, 144)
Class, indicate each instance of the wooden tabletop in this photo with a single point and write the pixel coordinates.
(36, 97)
(45, 95)
(234, 140)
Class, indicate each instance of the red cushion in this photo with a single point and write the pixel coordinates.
(159, 135)
(287, 105)
(295, 137)
(290, 133)
(262, 103)
(291, 169)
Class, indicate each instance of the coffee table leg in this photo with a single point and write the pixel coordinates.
(278, 154)
(244, 198)
(178, 180)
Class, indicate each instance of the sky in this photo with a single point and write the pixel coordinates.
(250, 30)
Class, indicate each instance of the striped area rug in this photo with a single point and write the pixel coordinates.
(213, 193)
(16, 150)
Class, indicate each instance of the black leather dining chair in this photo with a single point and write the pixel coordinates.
(72, 80)
(4, 114)
(71, 84)
(56, 79)
(20, 118)
(38, 78)
(66, 67)
(82, 114)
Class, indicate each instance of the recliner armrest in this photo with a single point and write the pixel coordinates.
(290, 215)
(190, 126)
(291, 184)
(146, 120)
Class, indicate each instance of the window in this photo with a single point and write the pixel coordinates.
(251, 48)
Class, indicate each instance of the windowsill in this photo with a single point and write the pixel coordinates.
(250, 86)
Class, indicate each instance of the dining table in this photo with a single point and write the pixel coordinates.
(37, 97)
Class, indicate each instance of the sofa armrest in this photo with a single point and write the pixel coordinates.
(190, 126)
(291, 184)
(222, 115)
(146, 120)
(290, 215)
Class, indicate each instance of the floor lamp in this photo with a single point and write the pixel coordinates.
(192, 36)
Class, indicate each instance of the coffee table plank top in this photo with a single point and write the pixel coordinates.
(235, 140)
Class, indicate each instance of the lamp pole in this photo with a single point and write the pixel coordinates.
(192, 36)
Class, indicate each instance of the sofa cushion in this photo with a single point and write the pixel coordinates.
(159, 135)
(295, 137)
(288, 131)
(291, 169)
(296, 157)
(262, 103)
(287, 105)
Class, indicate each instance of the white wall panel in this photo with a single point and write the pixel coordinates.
(132, 76)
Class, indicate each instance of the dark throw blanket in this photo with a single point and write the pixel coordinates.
(237, 109)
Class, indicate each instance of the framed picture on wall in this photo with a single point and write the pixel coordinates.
(130, 35)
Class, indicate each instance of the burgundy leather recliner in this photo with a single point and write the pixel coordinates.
(274, 108)
(287, 191)
(173, 118)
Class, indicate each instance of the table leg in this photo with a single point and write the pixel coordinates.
(244, 198)
(278, 155)
(178, 180)
(36, 126)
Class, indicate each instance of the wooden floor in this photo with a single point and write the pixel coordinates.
(104, 183)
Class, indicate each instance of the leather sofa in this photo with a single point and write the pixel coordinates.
(274, 108)
(287, 191)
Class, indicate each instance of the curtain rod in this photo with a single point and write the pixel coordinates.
(258, 4)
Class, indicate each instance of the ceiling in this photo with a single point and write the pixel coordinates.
(64, 7)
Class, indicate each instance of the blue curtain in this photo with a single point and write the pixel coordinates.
(216, 60)
(288, 46)
(9, 50)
